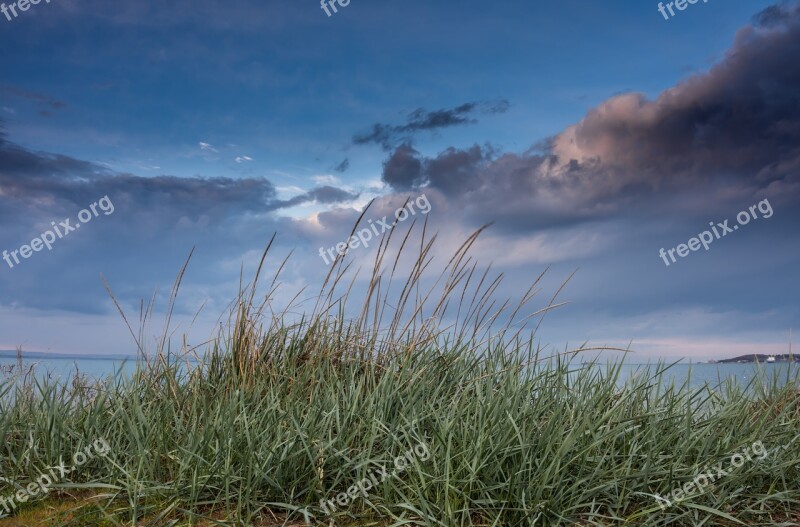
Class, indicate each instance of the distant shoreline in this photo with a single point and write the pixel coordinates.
(761, 358)
(12, 354)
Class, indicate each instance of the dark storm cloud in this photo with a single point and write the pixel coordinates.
(421, 120)
(39, 169)
(326, 195)
(773, 15)
(28, 179)
(453, 171)
(343, 166)
(734, 131)
(741, 120)
(457, 170)
(403, 169)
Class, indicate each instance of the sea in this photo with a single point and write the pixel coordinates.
(64, 368)
(693, 374)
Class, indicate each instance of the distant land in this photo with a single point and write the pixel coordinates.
(12, 354)
(758, 357)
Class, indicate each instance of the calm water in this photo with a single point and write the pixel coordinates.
(699, 374)
(63, 368)
(695, 374)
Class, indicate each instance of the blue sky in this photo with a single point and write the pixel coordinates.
(592, 134)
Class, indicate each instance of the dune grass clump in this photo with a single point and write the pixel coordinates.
(280, 415)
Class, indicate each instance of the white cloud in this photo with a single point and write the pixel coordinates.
(325, 179)
(242, 159)
(542, 248)
(206, 146)
(291, 189)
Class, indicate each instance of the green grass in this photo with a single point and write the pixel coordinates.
(281, 414)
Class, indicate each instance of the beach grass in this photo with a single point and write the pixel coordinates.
(282, 414)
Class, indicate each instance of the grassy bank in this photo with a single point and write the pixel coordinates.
(280, 415)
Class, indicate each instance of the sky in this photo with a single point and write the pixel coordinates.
(590, 135)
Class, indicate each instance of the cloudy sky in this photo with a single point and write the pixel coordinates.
(590, 134)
